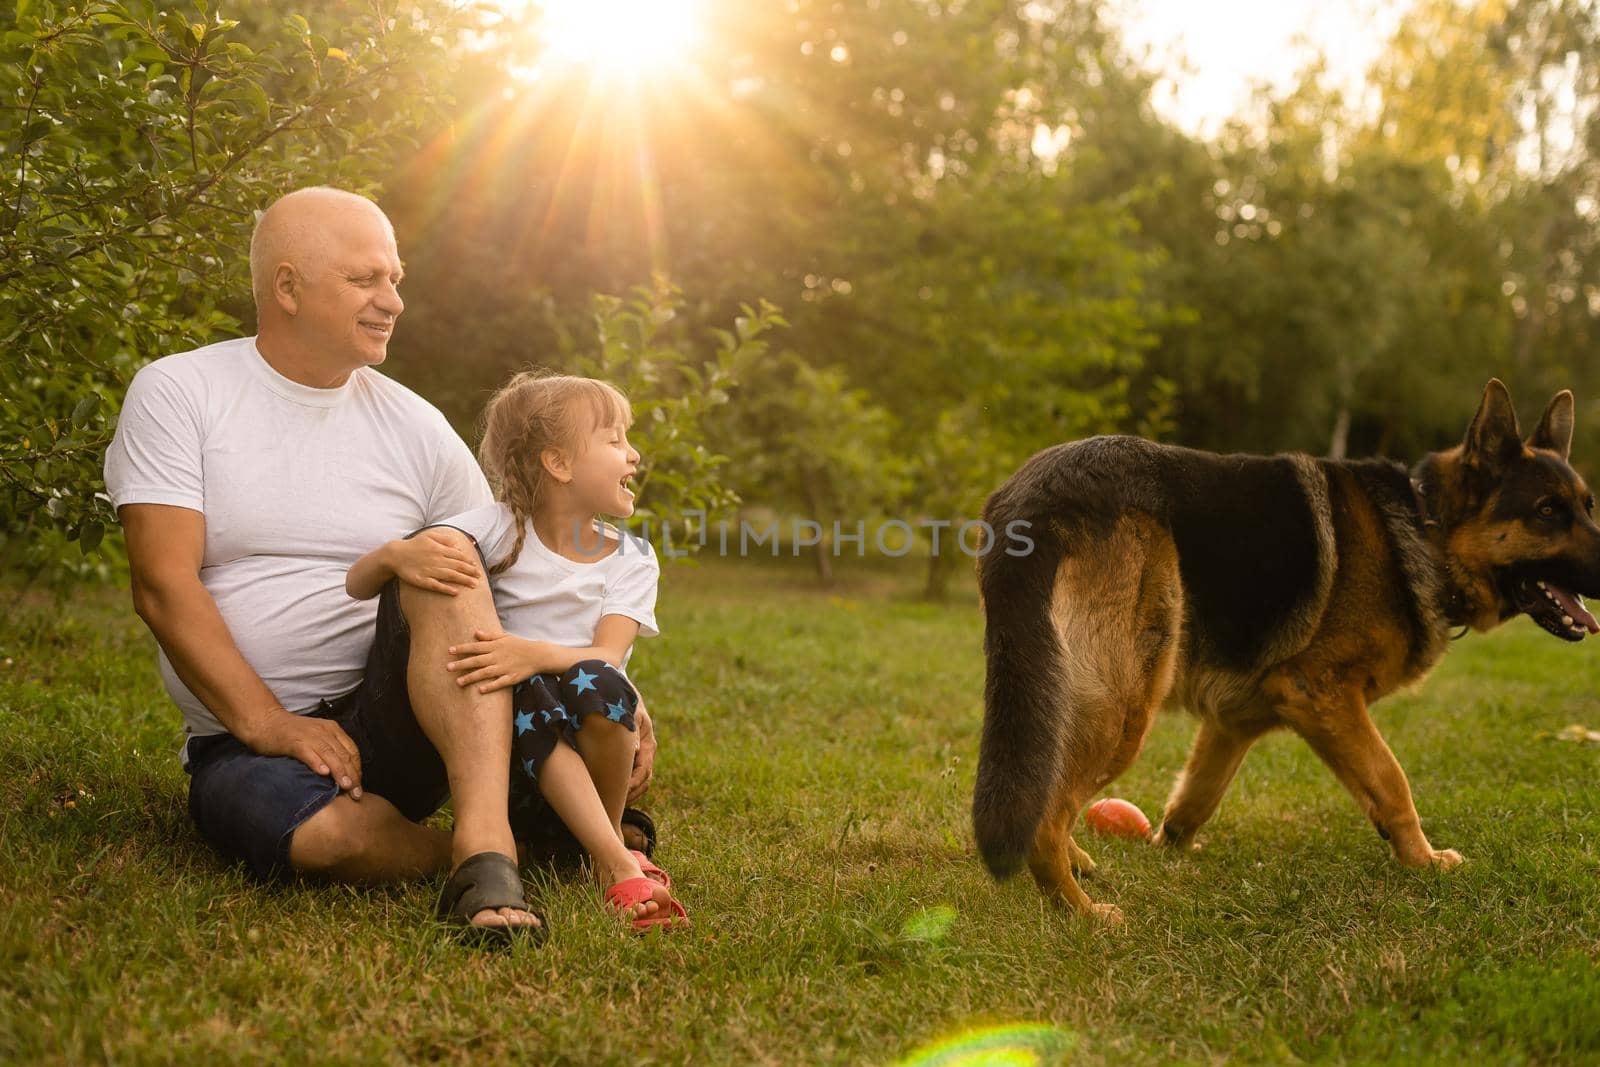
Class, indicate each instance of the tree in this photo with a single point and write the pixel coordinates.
(805, 441)
(899, 174)
(1506, 94)
(638, 345)
(139, 145)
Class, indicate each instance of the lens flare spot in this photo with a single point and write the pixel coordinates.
(929, 924)
(1015, 1045)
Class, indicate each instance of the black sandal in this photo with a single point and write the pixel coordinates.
(482, 882)
(645, 825)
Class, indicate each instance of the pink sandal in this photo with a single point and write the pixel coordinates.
(622, 898)
(651, 871)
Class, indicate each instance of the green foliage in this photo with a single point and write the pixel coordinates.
(1352, 277)
(1331, 294)
(138, 143)
(805, 442)
(872, 168)
(984, 238)
(674, 390)
(971, 286)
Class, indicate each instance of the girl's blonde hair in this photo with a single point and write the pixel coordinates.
(534, 411)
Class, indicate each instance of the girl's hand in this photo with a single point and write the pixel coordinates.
(493, 661)
(429, 561)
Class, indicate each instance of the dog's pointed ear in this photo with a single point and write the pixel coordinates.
(1555, 429)
(1493, 437)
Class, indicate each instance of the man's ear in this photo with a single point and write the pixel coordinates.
(286, 288)
(1493, 437)
(1555, 428)
(556, 464)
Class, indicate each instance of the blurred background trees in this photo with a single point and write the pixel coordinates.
(137, 145)
(982, 237)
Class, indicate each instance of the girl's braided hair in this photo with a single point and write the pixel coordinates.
(534, 411)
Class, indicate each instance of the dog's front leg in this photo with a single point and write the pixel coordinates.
(1212, 763)
(1349, 743)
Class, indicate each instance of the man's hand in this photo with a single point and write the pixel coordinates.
(166, 547)
(429, 561)
(644, 759)
(494, 660)
(320, 744)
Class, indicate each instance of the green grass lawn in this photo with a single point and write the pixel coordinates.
(812, 792)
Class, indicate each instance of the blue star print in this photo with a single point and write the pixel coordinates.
(616, 712)
(527, 768)
(524, 722)
(583, 681)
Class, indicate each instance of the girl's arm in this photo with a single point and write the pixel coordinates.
(369, 574)
(497, 660)
(427, 560)
(612, 639)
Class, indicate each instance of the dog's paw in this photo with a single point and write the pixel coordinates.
(1108, 914)
(1179, 841)
(1446, 858)
(1440, 859)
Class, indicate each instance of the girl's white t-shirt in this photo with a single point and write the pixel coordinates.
(544, 596)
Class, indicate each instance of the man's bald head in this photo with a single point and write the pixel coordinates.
(299, 228)
(326, 275)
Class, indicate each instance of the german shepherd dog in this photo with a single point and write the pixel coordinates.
(1257, 592)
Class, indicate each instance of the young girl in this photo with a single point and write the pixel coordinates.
(572, 593)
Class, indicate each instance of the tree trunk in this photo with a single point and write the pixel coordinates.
(1341, 434)
(1531, 326)
(822, 552)
(1385, 439)
(940, 567)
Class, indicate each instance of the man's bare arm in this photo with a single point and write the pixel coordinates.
(166, 546)
(644, 759)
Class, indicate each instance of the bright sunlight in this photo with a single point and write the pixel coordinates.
(631, 38)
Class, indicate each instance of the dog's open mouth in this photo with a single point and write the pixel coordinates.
(1554, 608)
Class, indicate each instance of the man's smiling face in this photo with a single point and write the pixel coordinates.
(349, 300)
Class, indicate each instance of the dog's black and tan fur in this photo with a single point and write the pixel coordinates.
(1257, 592)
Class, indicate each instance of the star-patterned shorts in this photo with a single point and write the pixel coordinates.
(550, 708)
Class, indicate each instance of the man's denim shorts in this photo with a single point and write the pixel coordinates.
(249, 806)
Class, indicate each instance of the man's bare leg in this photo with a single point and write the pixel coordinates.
(363, 841)
(470, 730)
(367, 840)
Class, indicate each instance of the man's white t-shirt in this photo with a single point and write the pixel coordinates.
(544, 596)
(296, 484)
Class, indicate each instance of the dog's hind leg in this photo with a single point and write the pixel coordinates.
(1117, 613)
(1212, 763)
(1111, 735)
(1052, 860)
(1082, 862)
(1150, 665)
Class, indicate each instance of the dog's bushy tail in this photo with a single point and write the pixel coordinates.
(1019, 757)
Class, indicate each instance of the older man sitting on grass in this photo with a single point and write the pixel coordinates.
(248, 475)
